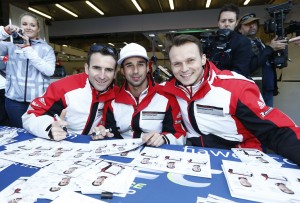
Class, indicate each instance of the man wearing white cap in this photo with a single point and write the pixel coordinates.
(140, 108)
(262, 70)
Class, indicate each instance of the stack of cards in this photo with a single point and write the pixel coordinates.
(263, 184)
(174, 161)
(255, 157)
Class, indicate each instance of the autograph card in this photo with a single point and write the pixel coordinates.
(256, 157)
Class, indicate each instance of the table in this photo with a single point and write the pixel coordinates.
(155, 186)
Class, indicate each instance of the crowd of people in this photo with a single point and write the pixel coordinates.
(211, 101)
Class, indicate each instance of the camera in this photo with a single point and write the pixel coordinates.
(16, 38)
(276, 25)
(212, 41)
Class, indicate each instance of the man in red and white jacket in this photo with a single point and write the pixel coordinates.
(222, 109)
(141, 108)
(78, 99)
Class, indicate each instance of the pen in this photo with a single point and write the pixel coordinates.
(98, 132)
(58, 119)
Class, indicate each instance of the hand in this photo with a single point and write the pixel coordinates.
(100, 132)
(57, 130)
(278, 44)
(296, 40)
(11, 28)
(25, 39)
(153, 139)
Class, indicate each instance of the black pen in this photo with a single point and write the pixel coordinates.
(58, 119)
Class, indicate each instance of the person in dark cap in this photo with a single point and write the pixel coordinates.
(262, 70)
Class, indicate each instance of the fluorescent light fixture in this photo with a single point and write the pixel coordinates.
(208, 3)
(94, 7)
(111, 44)
(39, 12)
(66, 10)
(151, 35)
(64, 45)
(246, 2)
(136, 5)
(160, 45)
(171, 2)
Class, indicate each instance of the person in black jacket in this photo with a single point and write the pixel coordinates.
(263, 72)
(235, 56)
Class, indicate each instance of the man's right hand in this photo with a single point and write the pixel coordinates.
(57, 127)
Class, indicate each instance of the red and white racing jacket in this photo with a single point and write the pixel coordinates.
(228, 111)
(83, 103)
(155, 111)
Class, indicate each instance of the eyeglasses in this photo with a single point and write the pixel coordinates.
(246, 17)
(104, 48)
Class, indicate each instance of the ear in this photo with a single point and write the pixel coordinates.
(116, 72)
(86, 68)
(122, 71)
(203, 59)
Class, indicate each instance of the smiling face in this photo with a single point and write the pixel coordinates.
(101, 70)
(186, 63)
(30, 26)
(228, 20)
(135, 71)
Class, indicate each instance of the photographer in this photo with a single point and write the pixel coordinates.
(262, 70)
(30, 65)
(235, 56)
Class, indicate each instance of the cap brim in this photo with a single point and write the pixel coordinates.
(120, 61)
(249, 20)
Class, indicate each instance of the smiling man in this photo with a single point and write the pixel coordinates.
(140, 108)
(78, 99)
(223, 109)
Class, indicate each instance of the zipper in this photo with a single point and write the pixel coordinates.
(26, 77)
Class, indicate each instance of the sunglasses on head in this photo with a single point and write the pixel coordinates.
(104, 48)
(246, 17)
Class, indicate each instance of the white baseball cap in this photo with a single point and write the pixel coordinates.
(131, 50)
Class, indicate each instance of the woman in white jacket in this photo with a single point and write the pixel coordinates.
(31, 62)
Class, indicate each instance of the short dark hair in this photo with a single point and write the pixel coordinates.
(183, 39)
(102, 49)
(232, 8)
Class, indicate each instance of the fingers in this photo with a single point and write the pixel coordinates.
(100, 132)
(153, 139)
(58, 133)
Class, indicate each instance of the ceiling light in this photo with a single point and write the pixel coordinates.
(160, 45)
(66, 10)
(39, 12)
(136, 5)
(246, 2)
(208, 3)
(171, 2)
(151, 35)
(94, 7)
(64, 45)
(111, 44)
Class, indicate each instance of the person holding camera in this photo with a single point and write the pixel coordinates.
(30, 65)
(296, 40)
(235, 55)
(263, 72)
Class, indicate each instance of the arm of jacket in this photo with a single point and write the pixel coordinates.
(3, 34)
(241, 56)
(45, 64)
(260, 59)
(172, 127)
(39, 116)
(269, 125)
